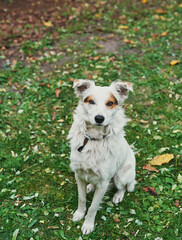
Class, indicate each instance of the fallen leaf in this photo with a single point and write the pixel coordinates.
(157, 137)
(176, 203)
(15, 234)
(13, 63)
(144, 1)
(150, 168)
(179, 178)
(60, 120)
(174, 62)
(97, 15)
(164, 34)
(151, 190)
(57, 92)
(162, 18)
(53, 116)
(116, 218)
(161, 159)
(144, 121)
(2, 90)
(53, 227)
(161, 11)
(123, 27)
(95, 58)
(47, 24)
(128, 41)
(56, 107)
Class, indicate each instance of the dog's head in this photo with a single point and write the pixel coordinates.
(101, 103)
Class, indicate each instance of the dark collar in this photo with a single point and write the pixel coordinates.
(86, 141)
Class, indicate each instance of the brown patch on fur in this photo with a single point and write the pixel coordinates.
(87, 99)
(112, 99)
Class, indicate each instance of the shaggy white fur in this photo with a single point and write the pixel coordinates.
(99, 151)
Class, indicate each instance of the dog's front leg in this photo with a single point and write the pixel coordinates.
(88, 225)
(80, 212)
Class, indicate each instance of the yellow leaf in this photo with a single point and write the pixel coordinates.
(97, 15)
(123, 27)
(180, 5)
(164, 34)
(174, 62)
(47, 24)
(161, 159)
(2, 90)
(144, 1)
(162, 18)
(160, 11)
(128, 41)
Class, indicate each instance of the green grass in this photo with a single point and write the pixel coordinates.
(38, 192)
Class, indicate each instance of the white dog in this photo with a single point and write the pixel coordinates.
(99, 151)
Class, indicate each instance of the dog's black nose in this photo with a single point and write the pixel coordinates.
(99, 119)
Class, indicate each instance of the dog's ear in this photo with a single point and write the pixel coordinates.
(80, 85)
(122, 88)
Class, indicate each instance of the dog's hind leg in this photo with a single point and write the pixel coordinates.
(80, 212)
(131, 186)
(121, 188)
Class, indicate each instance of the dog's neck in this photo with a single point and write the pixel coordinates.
(95, 132)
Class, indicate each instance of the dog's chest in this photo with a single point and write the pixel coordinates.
(89, 176)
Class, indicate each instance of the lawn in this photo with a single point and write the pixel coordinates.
(135, 41)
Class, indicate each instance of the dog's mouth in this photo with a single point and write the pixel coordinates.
(99, 124)
(89, 124)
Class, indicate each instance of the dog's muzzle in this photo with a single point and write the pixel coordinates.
(99, 119)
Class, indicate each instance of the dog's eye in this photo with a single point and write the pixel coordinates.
(110, 103)
(91, 101)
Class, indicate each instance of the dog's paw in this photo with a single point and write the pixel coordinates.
(87, 228)
(118, 197)
(78, 215)
(90, 188)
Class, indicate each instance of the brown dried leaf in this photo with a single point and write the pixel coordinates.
(150, 168)
(56, 107)
(53, 116)
(176, 203)
(57, 92)
(116, 220)
(150, 190)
